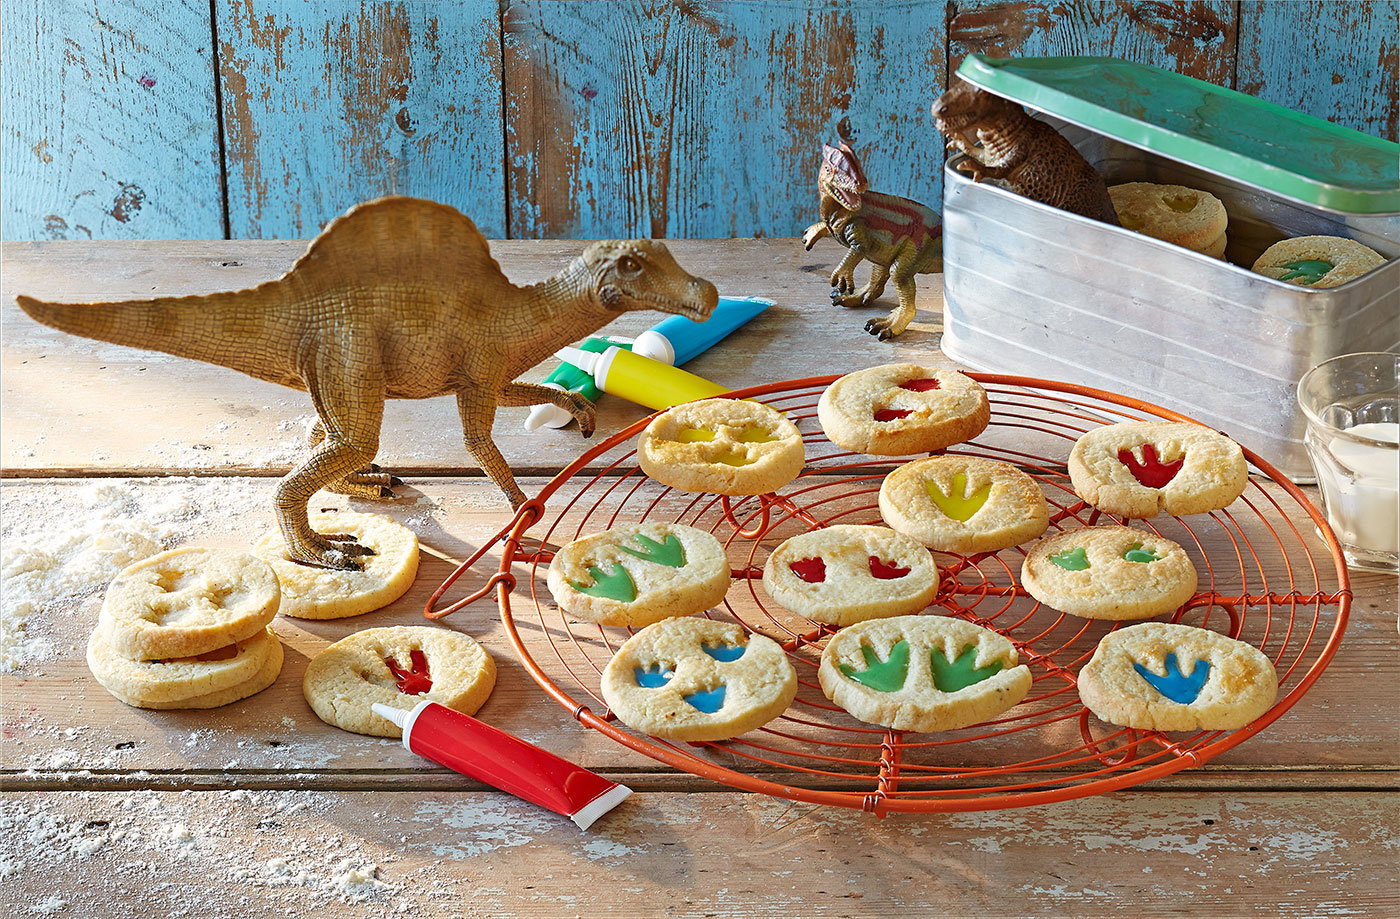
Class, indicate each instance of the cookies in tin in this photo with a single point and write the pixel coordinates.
(1109, 572)
(1142, 468)
(1187, 217)
(1317, 261)
(638, 574)
(698, 679)
(722, 447)
(398, 666)
(964, 504)
(1161, 676)
(847, 573)
(922, 673)
(899, 409)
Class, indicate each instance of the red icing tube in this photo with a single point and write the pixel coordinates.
(479, 751)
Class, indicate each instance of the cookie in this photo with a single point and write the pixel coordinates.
(1176, 214)
(963, 504)
(1159, 676)
(722, 447)
(1109, 572)
(899, 409)
(845, 574)
(922, 673)
(188, 601)
(638, 574)
(398, 666)
(1141, 468)
(255, 684)
(1317, 261)
(324, 593)
(170, 683)
(698, 679)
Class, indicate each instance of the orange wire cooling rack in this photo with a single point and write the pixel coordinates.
(1263, 581)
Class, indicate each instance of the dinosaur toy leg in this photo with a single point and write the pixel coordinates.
(370, 482)
(843, 279)
(576, 404)
(879, 275)
(899, 318)
(477, 407)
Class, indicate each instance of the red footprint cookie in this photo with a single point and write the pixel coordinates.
(901, 409)
(846, 574)
(1143, 468)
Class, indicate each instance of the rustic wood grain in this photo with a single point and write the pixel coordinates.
(707, 119)
(110, 126)
(109, 855)
(1196, 38)
(327, 104)
(1337, 61)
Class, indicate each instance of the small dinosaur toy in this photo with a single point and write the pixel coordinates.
(399, 298)
(900, 238)
(1020, 153)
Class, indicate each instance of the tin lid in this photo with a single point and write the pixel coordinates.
(1270, 147)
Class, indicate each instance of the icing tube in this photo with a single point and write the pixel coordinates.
(640, 379)
(677, 340)
(479, 751)
(566, 377)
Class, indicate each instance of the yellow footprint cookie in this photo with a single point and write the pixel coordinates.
(698, 679)
(187, 602)
(398, 666)
(845, 574)
(963, 504)
(638, 574)
(1142, 468)
(1176, 214)
(922, 673)
(899, 409)
(323, 593)
(1159, 676)
(722, 447)
(1109, 572)
(1317, 261)
(226, 674)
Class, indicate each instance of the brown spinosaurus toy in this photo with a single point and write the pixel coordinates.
(399, 298)
(900, 238)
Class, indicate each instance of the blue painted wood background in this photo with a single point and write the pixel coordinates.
(553, 118)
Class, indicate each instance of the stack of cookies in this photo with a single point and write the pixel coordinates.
(1186, 217)
(188, 628)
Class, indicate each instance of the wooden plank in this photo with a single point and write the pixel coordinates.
(59, 723)
(105, 855)
(326, 104)
(1196, 38)
(229, 422)
(110, 125)
(1337, 61)
(689, 120)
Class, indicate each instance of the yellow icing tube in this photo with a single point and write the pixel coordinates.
(640, 379)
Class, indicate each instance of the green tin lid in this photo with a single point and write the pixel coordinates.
(1270, 147)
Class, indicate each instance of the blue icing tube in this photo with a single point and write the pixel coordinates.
(676, 340)
(568, 378)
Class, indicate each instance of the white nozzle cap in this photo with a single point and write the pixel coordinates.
(656, 346)
(404, 719)
(548, 415)
(586, 361)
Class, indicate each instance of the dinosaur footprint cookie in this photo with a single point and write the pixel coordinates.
(722, 447)
(1161, 676)
(638, 574)
(1142, 468)
(899, 409)
(1109, 573)
(963, 504)
(697, 679)
(845, 574)
(922, 673)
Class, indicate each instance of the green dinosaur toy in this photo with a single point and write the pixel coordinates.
(397, 299)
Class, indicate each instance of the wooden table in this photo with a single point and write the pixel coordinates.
(260, 809)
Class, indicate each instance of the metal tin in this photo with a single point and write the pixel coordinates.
(1038, 291)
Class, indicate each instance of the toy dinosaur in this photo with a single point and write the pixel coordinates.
(900, 238)
(1020, 153)
(399, 298)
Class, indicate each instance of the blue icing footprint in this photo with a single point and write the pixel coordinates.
(653, 677)
(709, 701)
(1181, 688)
(725, 653)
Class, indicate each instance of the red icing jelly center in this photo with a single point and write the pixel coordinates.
(811, 570)
(1151, 472)
(892, 414)
(886, 571)
(414, 680)
(923, 385)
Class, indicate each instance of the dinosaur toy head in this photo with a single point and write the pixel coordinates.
(964, 104)
(841, 176)
(640, 274)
